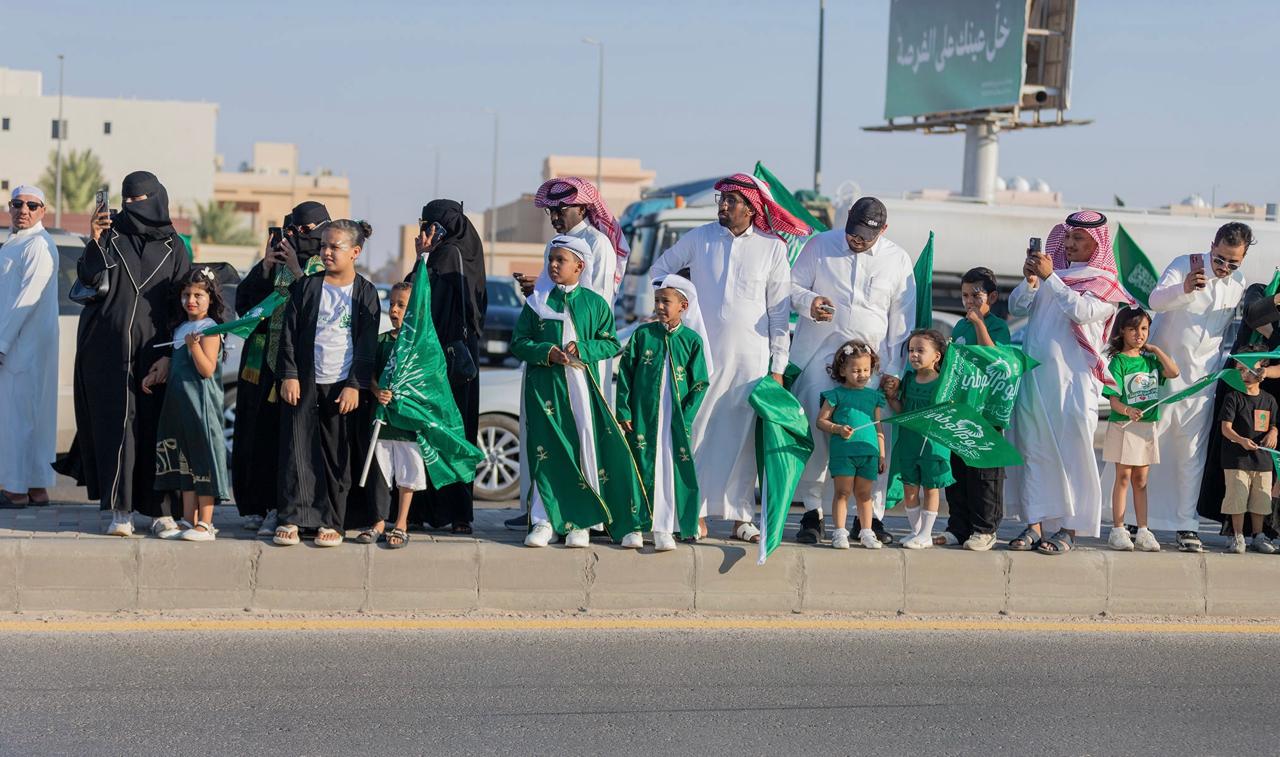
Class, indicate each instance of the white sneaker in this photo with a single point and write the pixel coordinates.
(1262, 544)
(919, 541)
(1145, 541)
(1119, 539)
(1236, 545)
(869, 539)
(207, 533)
(577, 538)
(840, 539)
(663, 541)
(269, 524)
(166, 527)
(633, 540)
(540, 536)
(980, 542)
(121, 524)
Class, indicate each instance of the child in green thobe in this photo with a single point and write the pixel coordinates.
(661, 383)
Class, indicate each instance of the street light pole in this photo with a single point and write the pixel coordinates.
(57, 171)
(599, 115)
(435, 191)
(493, 197)
(817, 132)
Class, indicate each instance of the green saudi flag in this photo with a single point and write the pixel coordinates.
(245, 325)
(961, 429)
(788, 201)
(924, 286)
(421, 400)
(985, 378)
(1137, 275)
(783, 445)
(1229, 376)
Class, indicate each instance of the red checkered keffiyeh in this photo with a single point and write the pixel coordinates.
(1097, 277)
(770, 217)
(575, 190)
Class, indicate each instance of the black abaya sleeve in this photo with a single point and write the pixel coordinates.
(289, 332)
(255, 287)
(364, 334)
(92, 264)
(449, 308)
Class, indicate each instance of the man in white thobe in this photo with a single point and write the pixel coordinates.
(740, 269)
(28, 353)
(850, 283)
(1195, 302)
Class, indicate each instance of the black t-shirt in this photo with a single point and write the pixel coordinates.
(1250, 416)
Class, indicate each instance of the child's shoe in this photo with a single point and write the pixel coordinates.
(121, 524)
(164, 525)
(919, 541)
(633, 540)
(175, 531)
(840, 538)
(1262, 544)
(201, 532)
(540, 536)
(1120, 540)
(269, 524)
(980, 542)
(946, 539)
(1145, 541)
(663, 541)
(1236, 544)
(578, 538)
(869, 539)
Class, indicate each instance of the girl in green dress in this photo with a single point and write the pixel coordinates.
(191, 454)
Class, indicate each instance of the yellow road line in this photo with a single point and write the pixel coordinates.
(625, 624)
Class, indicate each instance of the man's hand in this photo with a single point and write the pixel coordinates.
(1194, 281)
(290, 391)
(384, 396)
(1041, 265)
(557, 357)
(1249, 444)
(777, 377)
(626, 426)
(348, 400)
(525, 282)
(821, 309)
(100, 224)
(889, 385)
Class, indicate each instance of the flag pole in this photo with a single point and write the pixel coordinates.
(378, 423)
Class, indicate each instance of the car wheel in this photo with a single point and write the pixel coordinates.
(498, 474)
(228, 415)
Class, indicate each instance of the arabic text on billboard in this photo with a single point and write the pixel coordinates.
(954, 55)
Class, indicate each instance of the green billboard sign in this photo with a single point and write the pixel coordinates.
(954, 55)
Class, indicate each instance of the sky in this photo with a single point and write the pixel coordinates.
(1183, 94)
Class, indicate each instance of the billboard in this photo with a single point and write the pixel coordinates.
(947, 56)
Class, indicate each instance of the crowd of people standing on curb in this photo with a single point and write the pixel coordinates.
(674, 444)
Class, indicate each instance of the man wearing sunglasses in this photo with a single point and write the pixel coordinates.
(28, 367)
(1195, 303)
(850, 283)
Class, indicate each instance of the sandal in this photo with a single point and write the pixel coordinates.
(327, 537)
(368, 536)
(286, 536)
(461, 528)
(1057, 544)
(747, 532)
(1025, 541)
(397, 538)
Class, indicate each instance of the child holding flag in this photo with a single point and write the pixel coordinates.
(1248, 423)
(397, 451)
(662, 378)
(851, 414)
(1139, 370)
(925, 465)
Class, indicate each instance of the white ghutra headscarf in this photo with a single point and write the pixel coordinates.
(692, 316)
(543, 288)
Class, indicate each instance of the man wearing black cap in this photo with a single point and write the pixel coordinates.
(849, 283)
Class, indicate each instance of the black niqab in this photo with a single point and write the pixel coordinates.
(308, 243)
(461, 239)
(146, 218)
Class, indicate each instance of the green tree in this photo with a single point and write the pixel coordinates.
(81, 179)
(216, 223)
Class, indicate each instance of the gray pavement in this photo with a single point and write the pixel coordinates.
(728, 692)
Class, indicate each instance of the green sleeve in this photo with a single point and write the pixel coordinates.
(999, 331)
(601, 342)
(525, 344)
(1117, 373)
(698, 378)
(626, 371)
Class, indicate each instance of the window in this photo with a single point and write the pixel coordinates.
(4, 124)
(4, 184)
(55, 130)
(106, 128)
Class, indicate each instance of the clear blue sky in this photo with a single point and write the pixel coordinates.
(1184, 94)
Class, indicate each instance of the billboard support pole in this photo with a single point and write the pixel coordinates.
(981, 159)
(817, 131)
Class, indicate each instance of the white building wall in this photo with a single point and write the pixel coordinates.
(172, 139)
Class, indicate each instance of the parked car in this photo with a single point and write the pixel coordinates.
(504, 308)
(498, 475)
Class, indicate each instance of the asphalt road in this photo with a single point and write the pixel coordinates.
(648, 692)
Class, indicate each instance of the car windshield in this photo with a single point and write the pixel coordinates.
(502, 293)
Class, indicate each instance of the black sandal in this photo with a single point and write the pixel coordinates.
(1025, 541)
(396, 538)
(368, 536)
(1057, 544)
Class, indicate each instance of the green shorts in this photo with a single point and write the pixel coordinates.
(927, 472)
(862, 466)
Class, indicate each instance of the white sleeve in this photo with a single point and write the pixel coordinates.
(675, 257)
(1021, 297)
(1081, 308)
(901, 322)
(802, 278)
(1168, 293)
(605, 264)
(36, 268)
(777, 293)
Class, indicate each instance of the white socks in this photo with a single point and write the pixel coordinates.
(926, 524)
(913, 519)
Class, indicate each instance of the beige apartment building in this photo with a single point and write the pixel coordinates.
(268, 188)
(521, 231)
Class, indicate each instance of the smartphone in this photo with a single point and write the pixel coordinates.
(1033, 246)
(440, 233)
(1197, 265)
(100, 202)
(827, 308)
(275, 235)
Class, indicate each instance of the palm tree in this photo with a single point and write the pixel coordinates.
(81, 179)
(216, 223)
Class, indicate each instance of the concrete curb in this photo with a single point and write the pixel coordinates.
(70, 575)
